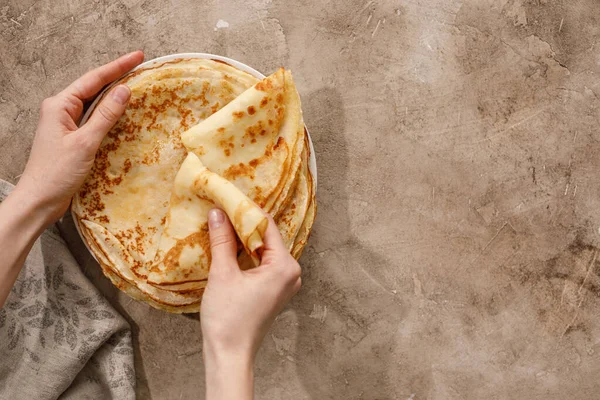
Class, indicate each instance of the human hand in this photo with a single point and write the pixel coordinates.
(238, 307)
(63, 154)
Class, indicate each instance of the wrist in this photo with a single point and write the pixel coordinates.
(218, 355)
(37, 208)
(28, 207)
(229, 374)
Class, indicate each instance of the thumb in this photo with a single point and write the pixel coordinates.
(107, 113)
(223, 246)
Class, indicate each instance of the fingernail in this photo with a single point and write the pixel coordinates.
(121, 94)
(216, 218)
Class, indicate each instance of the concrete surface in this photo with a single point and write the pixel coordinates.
(455, 255)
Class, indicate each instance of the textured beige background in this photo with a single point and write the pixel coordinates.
(455, 251)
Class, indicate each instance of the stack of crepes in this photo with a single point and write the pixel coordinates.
(196, 134)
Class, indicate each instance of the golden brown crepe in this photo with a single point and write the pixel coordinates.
(139, 158)
(143, 209)
(255, 141)
(184, 251)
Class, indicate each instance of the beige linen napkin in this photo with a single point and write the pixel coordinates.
(59, 338)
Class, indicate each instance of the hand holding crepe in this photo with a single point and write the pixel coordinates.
(239, 306)
(184, 250)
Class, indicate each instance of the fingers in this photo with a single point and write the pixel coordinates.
(106, 114)
(222, 242)
(92, 82)
(273, 240)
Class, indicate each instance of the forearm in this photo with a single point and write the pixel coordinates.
(228, 376)
(21, 223)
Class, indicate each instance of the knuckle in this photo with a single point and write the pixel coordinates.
(107, 113)
(83, 141)
(218, 241)
(293, 271)
(48, 104)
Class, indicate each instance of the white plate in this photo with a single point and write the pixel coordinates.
(312, 162)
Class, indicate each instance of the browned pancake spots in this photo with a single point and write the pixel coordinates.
(163, 220)
(270, 122)
(258, 197)
(127, 166)
(136, 266)
(184, 112)
(279, 98)
(255, 130)
(139, 238)
(227, 152)
(101, 181)
(171, 259)
(226, 143)
(152, 157)
(251, 110)
(215, 107)
(264, 102)
(161, 107)
(104, 219)
(202, 95)
(156, 90)
(238, 115)
(225, 92)
(95, 204)
(202, 197)
(248, 170)
(252, 141)
(221, 130)
(280, 142)
(122, 235)
(265, 85)
(200, 151)
(238, 170)
(138, 102)
(177, 144)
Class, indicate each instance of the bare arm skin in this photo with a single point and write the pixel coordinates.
(239, 307)
(61, 157)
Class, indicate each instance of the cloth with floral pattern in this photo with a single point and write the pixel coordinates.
(59, 338)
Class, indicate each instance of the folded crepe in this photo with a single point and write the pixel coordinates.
(255, 141)
(184, 249)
